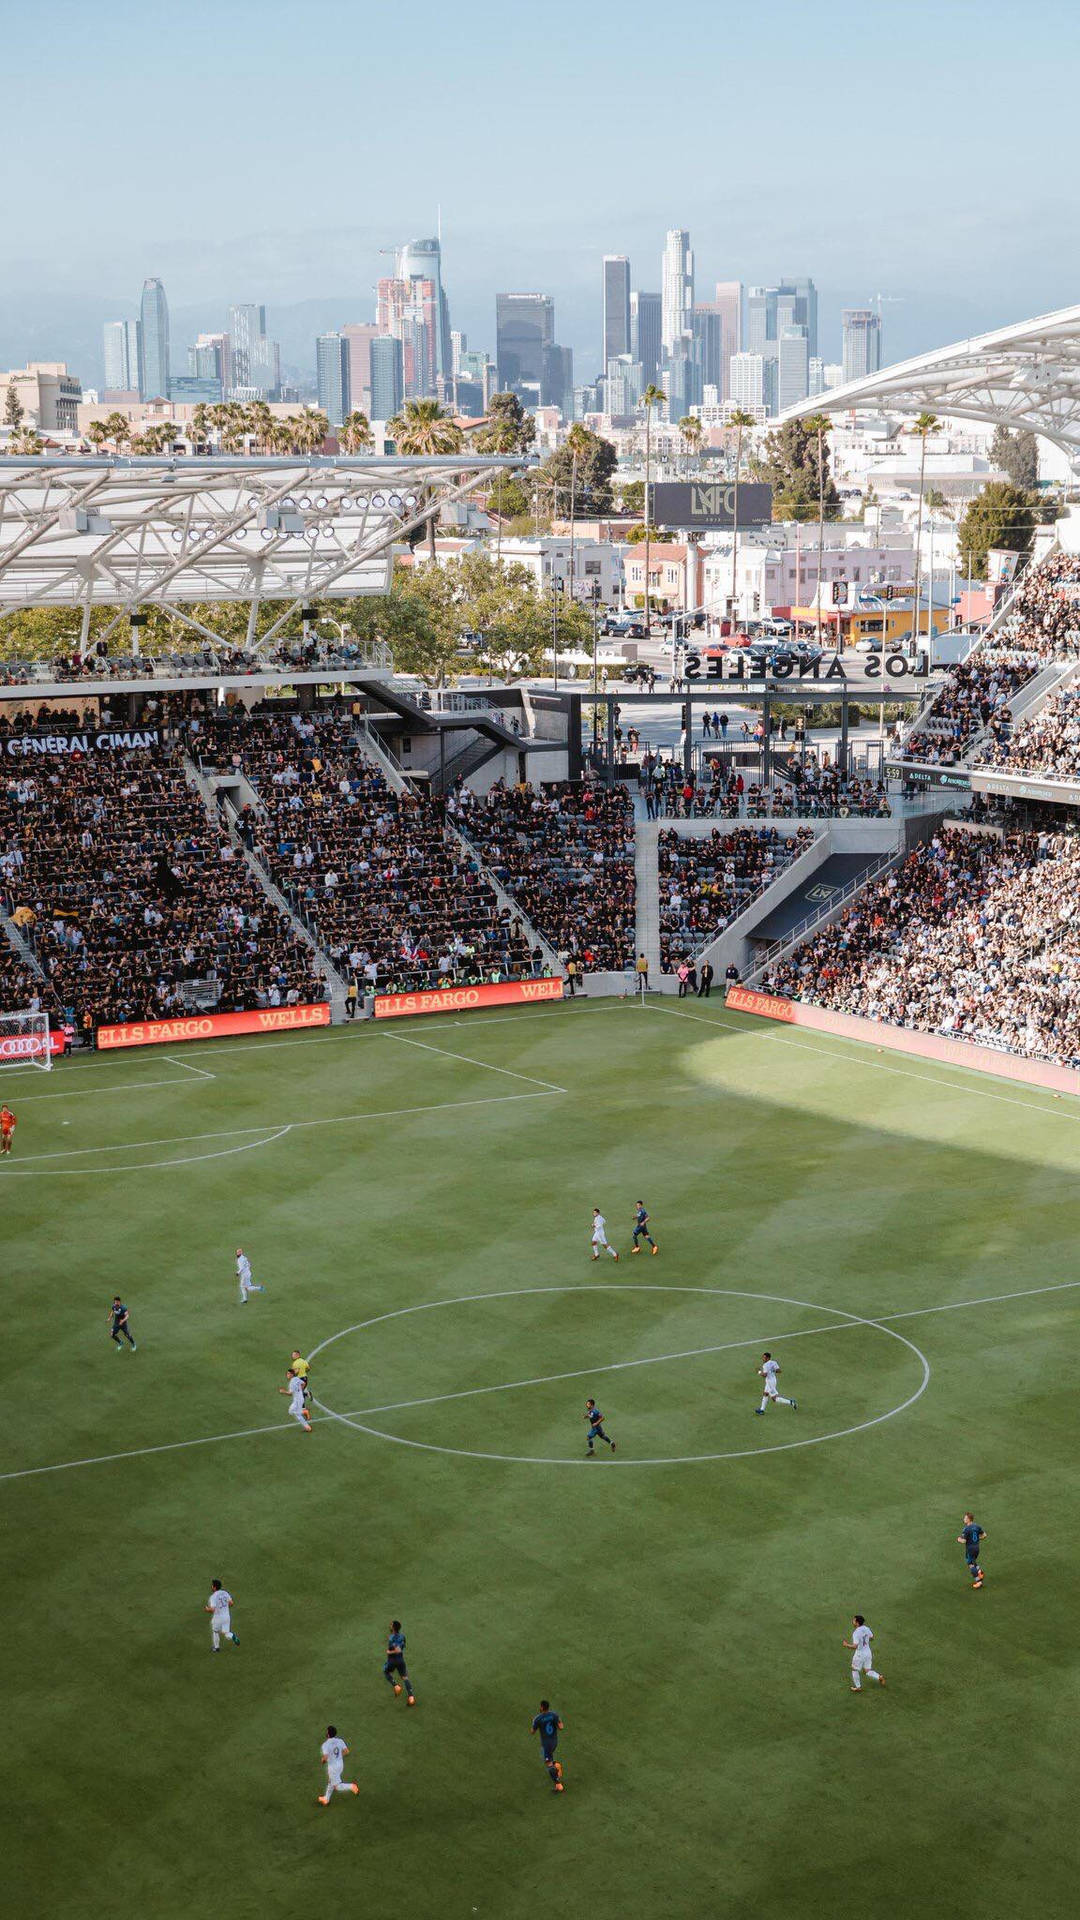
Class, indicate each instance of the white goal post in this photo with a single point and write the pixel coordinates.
(25, 1040)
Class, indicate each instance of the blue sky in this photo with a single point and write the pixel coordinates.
(268, 151)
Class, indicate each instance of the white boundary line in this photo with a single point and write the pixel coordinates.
(230, 1133)
(285, 1426)
(85, 1093)
(854, 1059)
(530, 1079)
(201, 1073)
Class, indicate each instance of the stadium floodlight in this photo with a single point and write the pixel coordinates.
(25, 1040)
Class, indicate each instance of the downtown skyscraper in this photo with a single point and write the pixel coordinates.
(677, 289)
(154, 324)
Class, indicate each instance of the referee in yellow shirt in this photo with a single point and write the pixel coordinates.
(302, 1368)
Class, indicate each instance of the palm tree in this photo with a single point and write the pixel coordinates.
(355, 435)
(118, 430)
(24, 440)
(200, 424)
(693, 433)
(924, 425)
(740, 420)
(653, 396)
(98, 434)
(261, 420)
(422, 428)
(819, 425)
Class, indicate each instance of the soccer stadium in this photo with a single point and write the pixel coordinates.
(355, 1025)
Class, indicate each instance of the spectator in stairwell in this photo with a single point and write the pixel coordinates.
(705, 980)
(352, 995)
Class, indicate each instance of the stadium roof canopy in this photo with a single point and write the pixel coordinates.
(85, 532)
(1021, 376)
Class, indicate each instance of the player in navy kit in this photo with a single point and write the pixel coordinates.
(969, 1538)
(641, 1228)
(118, 1314)
(397, 1673)
(594, 1420)
(548, 1725)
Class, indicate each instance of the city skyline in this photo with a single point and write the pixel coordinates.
(888, 209)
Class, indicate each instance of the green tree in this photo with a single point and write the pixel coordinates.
(423, 428)
(819, 425)
(505, 428)
(1017, 454)
(356, 435)
(693, 433)
(583, 466)
(788, 461)
(13, 407)
(653, 396)
(923, 425)
(1000, 516)
(632, 497)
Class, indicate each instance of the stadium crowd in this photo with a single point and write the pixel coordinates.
(566, 852)
(137, 907)
(806, 788)
(387, 891)
(705, 884)
(1045, 616)
(974, 936)
(975, 696)
(1047, 745)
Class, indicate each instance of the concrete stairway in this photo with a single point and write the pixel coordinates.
(23, 949)
(647, 894)
(532, 934)
(207, 789)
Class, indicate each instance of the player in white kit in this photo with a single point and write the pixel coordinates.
(599, 1236)
(243, 1275)
(333, 1751)
(218, 1607)
(861, 1657)
(768, 1370)
(295, 1391)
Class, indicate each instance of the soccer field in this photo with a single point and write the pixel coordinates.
(417, 1199)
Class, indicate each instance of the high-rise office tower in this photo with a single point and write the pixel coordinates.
(748, 380)
(256, 365)
(616, 330)
(387, 377)
(707, 334)
(623, 386)
(557, 379)
(862, 342)
(677, 287)
(211, 359)
(359, 338)
(123, 350)
(408, 309)
(524, 326)
(793, 367)
(760, 318)
(422, 260)
(728, 305)
(797, 306)
(154, 324)
(332, 375)
(645, 328)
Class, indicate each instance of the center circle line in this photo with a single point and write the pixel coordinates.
(844, 1319)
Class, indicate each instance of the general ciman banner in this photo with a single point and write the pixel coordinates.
(30, 746)
(709, 503)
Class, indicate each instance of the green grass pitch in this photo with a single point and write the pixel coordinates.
(682, 1604)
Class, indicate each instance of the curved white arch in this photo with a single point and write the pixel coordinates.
(1020, 376)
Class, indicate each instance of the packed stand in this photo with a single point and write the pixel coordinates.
(98, 663)
(808, 789)
(565, 851)
(1045, 615)
(705, 884)
(976, 696)
(137, 907)
(393, 897)
(976, 936)
(1048, 744)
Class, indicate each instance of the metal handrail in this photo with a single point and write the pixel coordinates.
(820, 916)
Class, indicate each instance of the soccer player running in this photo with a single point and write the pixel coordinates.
(641, 1228)
(243, 1275)
(862, 1660)
(548, 1725)
(219, 1608)
(599, 1236)
(8, 1124)
(397, 1673)
(295, 1391)
(121, 1326)
(594, 1420)
(969, 1537)
(769, 1370)
(333, 1751)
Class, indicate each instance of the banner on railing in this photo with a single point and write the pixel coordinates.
(211, 1026)
(28, 746)
(502, 993)
(770, 1005)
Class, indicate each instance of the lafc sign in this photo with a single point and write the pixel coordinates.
(736, 667)
(709, 503)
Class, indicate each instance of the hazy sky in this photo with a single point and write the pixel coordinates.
(247, 150)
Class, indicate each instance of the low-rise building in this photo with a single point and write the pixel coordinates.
(48, 394)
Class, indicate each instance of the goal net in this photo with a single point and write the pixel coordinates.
(25, 1041)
